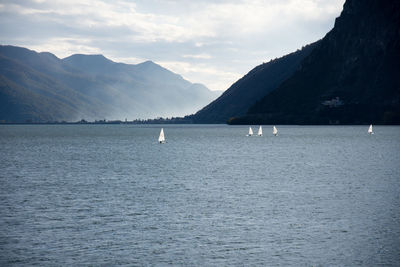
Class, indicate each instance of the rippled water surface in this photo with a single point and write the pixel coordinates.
(111, 195)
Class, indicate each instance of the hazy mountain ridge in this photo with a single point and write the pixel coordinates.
(90, 87)
(352, 77)
(30, 95)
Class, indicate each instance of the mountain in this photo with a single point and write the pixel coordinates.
(41, 87)
(29, 93)
(252, 87)
(351, 77)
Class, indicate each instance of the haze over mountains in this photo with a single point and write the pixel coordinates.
(351, 76)
(40, 87)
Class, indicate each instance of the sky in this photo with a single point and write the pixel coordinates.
(213, 42)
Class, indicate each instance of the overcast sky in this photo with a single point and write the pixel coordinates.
(214, 42)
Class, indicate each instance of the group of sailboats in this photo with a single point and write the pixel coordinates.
(161, 138)
(260, 132)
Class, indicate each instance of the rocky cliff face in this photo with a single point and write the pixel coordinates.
(356, 63)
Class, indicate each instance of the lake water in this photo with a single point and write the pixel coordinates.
(111, 195)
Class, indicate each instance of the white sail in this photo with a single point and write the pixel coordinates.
(260, 131)
(161, 138)
(274, 131)
(250, 131)
(370, 130)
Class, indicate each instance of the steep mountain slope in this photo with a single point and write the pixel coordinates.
(90, 87)
(252, 87)
(30, 95)
(352, 77)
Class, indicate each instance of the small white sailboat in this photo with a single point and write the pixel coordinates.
(250, 132)
(274, 131)
(370, 131)
(161, 138)
(260, 131)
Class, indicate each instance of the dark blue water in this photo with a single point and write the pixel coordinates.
(111, 195)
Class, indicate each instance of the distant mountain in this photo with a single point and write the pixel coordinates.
(252, 87)
(351, 77)
(41, 87)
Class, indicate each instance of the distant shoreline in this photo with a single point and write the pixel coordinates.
(91, 123)
(168, 122)
(83, 121)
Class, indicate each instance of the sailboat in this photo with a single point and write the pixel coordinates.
(370, 130)
(260, 131)
(161, 138)
(274, 131)
(250, 132)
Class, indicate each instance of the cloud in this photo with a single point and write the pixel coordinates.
(199, 56)
(232, 36)
(64, 47)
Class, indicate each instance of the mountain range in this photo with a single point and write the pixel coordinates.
(39, 87)
(351, 76)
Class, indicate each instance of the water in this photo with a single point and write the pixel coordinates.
(111, 195)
